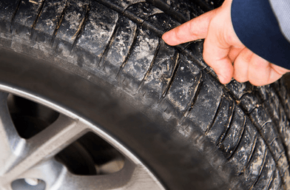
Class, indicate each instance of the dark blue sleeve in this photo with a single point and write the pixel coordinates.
(258, 29)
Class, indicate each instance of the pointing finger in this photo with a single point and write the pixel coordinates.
(194, 29)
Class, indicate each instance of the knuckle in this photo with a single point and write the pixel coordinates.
(256, 64)
(245, 58)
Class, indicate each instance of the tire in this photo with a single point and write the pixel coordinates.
(104, 60)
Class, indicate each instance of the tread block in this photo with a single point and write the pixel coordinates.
(249, 102)
(222, 120)
(140, 59)
(284, 129)
(269, 133)
(283, 93)
(263, 92)
(143, 10)
(283, 123)
(25, 18)
(245, 149)
(114, 45)
(285, 177)
(96, 35)
(74, 17)
(282, 162)
(272, 103)
(183, 88)
(239, 89)
(279, 156)
(48, 21)
(256, 164)
(287, 105)
(124, 4)
(158, 21)
(206, 105)
(188, 9)
(7, 10)
(267, 174)
(276, 183)
(120, 47)
(235, 132)
(157, 81)
(181, 11)
(181, 6)
(260, 117)
(195, 48)
(277, 113)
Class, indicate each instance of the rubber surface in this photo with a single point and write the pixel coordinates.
(239, 127)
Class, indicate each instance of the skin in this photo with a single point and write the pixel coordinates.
(223, 51)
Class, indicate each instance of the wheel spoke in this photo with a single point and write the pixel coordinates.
(131, 177)
(49, 171)
(11, 144)
(46, 144)
(31, 161)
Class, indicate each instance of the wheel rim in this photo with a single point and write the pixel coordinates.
(31, 164)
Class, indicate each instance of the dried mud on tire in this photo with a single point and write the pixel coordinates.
(242, 130)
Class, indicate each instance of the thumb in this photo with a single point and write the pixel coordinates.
(194, 29)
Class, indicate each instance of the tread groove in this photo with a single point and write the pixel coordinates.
(280, 99)
(256, 105)
(271, 181)
(38, 15)
(173, 75)
(194, 98)
(81, 27)
(280, 135)
(151, 65)
(261, 170)
(130, 51)
(59, 22)
(268, 148)
(240, 139)
(131, 6)
(111, 5)
(228, 126)
(252, 153)
(176, 65)
(158, 32)
(214, 118)
(107, 48)
(14, 14)
(168, 10)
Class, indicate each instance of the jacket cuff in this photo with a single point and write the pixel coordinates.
(257, 28)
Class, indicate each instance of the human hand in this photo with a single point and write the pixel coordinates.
(223, 51)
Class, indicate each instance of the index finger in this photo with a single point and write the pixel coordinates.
(194, 29)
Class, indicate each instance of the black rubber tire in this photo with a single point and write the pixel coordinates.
(192, 131)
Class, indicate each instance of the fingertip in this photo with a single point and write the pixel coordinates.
(168, 39)
(224, 79)
(165, 36)
(240, 80)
